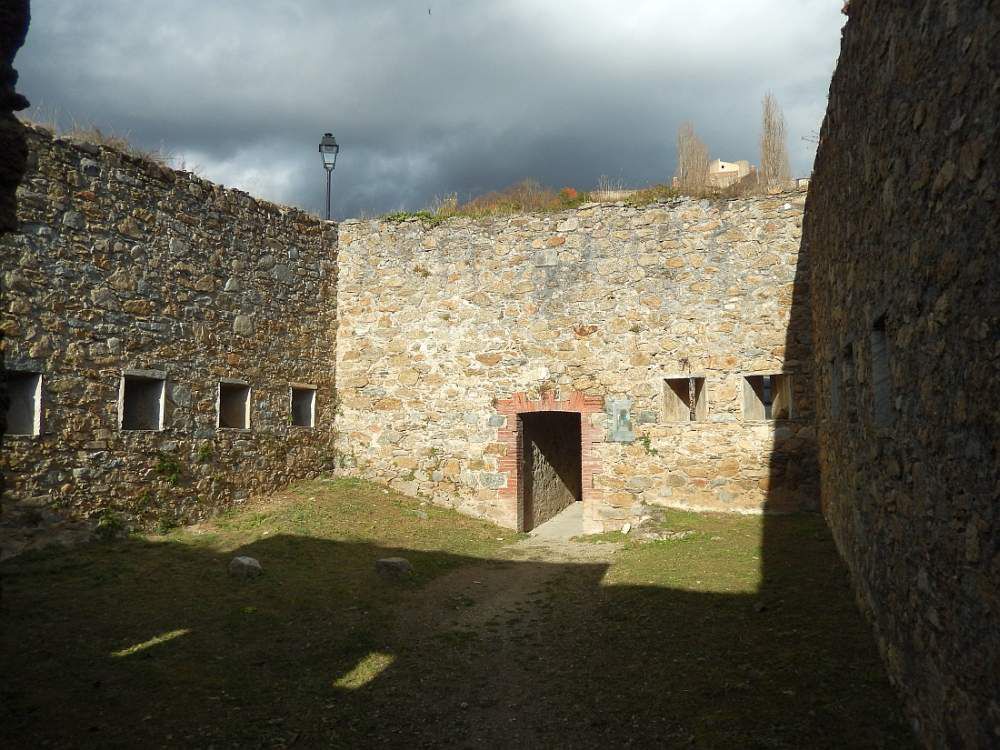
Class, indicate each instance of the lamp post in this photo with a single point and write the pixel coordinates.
(328, 149)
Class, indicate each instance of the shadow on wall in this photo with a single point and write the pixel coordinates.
(14, 17)
(552, 464)
(150, 644)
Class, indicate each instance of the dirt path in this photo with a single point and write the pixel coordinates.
(494, 623)
(502, 588)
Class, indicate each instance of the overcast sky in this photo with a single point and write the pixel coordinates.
(466, 98)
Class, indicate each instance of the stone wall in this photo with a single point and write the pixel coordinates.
(901, 226)
(14, 17)
(123, 266)
(449, 331)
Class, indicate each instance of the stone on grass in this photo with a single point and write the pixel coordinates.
(394, 568)
(244, 568)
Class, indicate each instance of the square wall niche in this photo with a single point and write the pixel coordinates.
(141, 400)
(24, 412)
(684, 399)
(848, 382)
(767, 396)
(234, 405)
(303, 405)
(881, 375)
(836, 387)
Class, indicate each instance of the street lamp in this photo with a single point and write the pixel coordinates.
(328, 148)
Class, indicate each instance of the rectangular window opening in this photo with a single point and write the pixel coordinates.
(881, 377)
(684, 399)
(24, 412)
(767, 396)
(303, 405)
(234, 405)
(141, 401)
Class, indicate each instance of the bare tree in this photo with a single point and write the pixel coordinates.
(775, 171)
(692, 161)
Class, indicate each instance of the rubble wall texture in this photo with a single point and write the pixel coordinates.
(14, 18)
(122, 264)
(901, 228)
(438, 323)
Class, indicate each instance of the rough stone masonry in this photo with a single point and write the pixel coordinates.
(902, 226)
(159, 330)
(663, 327)
(173, 347)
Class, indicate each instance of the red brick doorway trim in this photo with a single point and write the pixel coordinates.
(509, 435)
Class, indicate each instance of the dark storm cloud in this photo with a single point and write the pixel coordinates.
(468, 98)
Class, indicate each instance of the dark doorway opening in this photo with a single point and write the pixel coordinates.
(551, 465)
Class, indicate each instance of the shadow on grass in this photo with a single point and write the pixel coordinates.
(152, 644)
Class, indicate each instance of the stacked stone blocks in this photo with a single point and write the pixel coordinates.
(123, 268)
(438, 323)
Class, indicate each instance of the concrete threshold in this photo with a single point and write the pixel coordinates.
(562, 526)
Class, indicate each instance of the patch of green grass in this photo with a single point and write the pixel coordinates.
(722, 555)
(742, 635)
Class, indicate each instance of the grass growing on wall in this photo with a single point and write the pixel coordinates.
(80, 132)
(527, 196)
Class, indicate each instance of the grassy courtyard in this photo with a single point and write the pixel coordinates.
(743, 634)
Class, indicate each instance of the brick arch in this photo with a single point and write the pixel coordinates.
(509, 435)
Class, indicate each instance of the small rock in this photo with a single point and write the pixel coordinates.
(421, 514)
(177, 246)
(759, 607)
(243, 325)
(73, 219)
(677, 535)
(394, 568)
(245, 568)
(626, 528)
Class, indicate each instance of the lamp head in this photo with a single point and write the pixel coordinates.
(329, 149)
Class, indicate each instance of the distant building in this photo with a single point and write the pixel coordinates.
(725, 173)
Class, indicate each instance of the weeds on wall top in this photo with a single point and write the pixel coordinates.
(91, 134)
(530, 196)
(527, 196)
